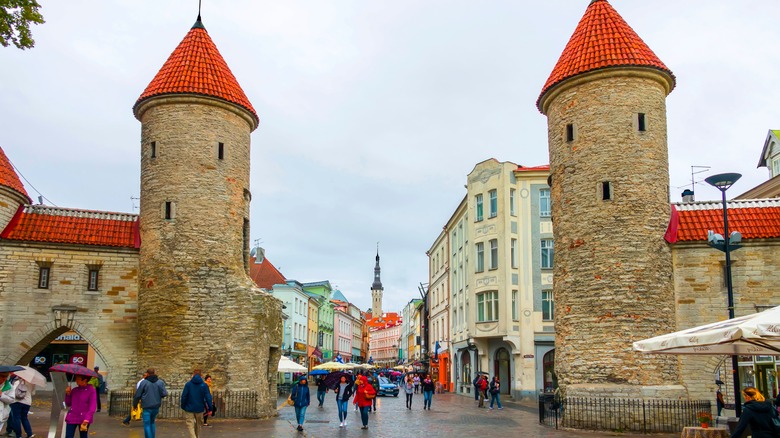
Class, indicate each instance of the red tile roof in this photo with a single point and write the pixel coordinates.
(602, 40)
(197, 67)
(41, 223)
(390, 319)
(8, 176)
(265, 275)
(522, 168)
(754, 219)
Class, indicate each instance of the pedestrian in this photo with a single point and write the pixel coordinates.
(23, 392)
(364, 394)
(206, 415)
(719, 400)
(97, 382)
(300, 397)
(195, 399)
(374, 381)
(416, 383)
(322, 389)
(495, 392)
(483, 385)
(6, 399)
(475, 382)
(82, 401)
(343, 393)
(126, 421)
(150, 393)
(409, 390)
(427, 389)
(756, 413)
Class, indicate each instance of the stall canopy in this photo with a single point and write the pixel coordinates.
(288, 366)
(757, 334)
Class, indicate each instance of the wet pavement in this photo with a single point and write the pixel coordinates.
(450, 414)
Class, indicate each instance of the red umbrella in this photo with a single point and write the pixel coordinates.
(72, 368)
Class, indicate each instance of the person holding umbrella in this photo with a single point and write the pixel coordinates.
(6, 396)
(23, 392)
(322, 389)
(82, 401)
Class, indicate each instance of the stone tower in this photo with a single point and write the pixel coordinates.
(197, 306)
(605, 103)
(377, 290)
(12, 193)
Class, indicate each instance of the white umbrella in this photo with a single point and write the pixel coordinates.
(332, 366)
(751, 335)
(31, 376)
(288, 366)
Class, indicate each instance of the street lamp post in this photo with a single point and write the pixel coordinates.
(723, 182)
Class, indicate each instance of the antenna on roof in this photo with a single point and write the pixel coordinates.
(40, 200)
(132, 201)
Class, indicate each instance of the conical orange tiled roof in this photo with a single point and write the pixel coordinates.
(602, 40)
(8, 176)
(197, 67)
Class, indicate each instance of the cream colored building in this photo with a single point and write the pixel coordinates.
(500, 252)
(439, 305)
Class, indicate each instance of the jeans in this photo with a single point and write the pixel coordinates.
(300, 414)
(476, 393)
(427, 397)
(342, 404)
(150, 427)
(375, 403)
(409, 401)
(495, 398)
(321, 397)
(364, 415)
(70, 431)
(19, 419)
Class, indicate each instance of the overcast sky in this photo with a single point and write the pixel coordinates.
(372, 112)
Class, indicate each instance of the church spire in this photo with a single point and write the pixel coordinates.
(377, 281)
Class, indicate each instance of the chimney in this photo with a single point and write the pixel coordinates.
(687, 196)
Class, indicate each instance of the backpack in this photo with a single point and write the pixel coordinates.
(21, 391)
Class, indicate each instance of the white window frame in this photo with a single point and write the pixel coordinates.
(547, 252)
(493, 254)
(544, 203)
(487, 306)
(493, 200)
(480, 256)
(548, 305)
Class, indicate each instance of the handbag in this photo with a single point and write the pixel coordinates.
(369, 395)
(21, 391)
(135, 413)
(290, 400)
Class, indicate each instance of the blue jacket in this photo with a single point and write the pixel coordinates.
(196, 397)
(300, 395)
(150, 392)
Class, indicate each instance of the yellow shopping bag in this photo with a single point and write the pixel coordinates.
(135, 413)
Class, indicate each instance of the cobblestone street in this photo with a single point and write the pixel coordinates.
(450, 414)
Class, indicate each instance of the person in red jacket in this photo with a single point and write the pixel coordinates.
(364, 396)
(483, 385)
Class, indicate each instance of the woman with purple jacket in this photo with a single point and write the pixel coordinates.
(82, 401)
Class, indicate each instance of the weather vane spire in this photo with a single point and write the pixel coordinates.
(199, 1)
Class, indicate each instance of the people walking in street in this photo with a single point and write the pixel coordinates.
(408, 387)
(300, 398)
(364, 395)
(23, 392)
(719, 400)
(756, 413)
(126, 421)
(374, 381)
(495, 392)
(343, 393)
(82, 401)
(322, 389)
(195, 399)
(6, 399)
(475, 382)
(150, 393)
(416, 383)
(208, 413)
(428, 387)
(483, 385)
(97, 382)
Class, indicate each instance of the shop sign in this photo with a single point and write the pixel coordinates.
(39, 360)
(300, 346)
(78, 359)
(73, 337)
(528, 356)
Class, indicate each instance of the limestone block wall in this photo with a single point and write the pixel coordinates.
(30, 317)
(10, 201)
(612, 269)
(701, 296)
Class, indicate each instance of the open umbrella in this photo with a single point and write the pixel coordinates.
(288, 366)
(332, 366)
(31, 375)
(318, 372)
(333, 379)
(72, 368)
(751, 335)
(10, 368)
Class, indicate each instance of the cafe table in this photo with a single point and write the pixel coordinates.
(705, 432)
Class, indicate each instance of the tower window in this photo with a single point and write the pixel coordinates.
(640, 122)
(168, 213)
(153, 150)
(92, 279)
(570, 132)
(43, 277)
(606, 190)
(221, 151)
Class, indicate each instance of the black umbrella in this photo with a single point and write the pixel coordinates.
(333, 379)
(10, 368)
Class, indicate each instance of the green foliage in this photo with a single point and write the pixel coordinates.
(15, 19)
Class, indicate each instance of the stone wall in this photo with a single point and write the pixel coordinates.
(612, 270)
(30, 317)
(10, 200)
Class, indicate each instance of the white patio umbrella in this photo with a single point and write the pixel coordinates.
(32, 376)
(332, 366)
(286, 365)
(751, 335)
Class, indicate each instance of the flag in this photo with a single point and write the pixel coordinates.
(370, 360)
(339, 359)
(436, 352)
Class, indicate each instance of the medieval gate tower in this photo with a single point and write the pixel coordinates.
(197, 305)
(605, 102)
